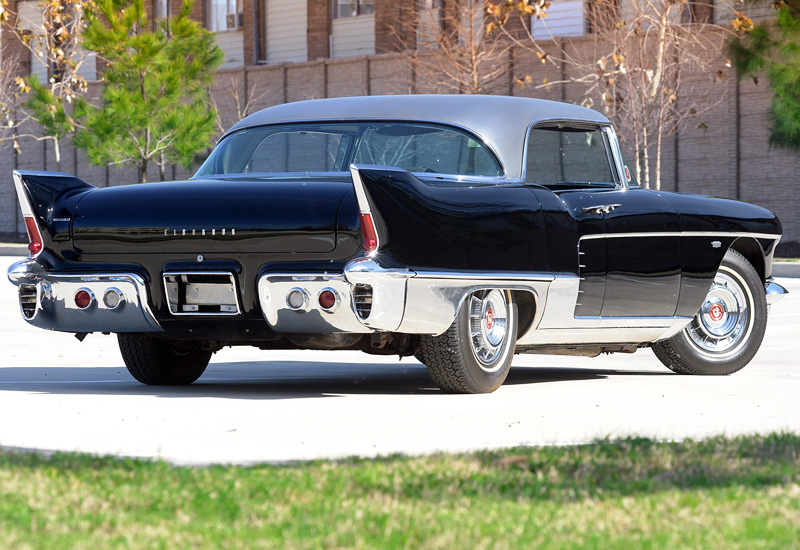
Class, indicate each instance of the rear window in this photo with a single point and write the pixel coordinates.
(333, 147)
(568, 157)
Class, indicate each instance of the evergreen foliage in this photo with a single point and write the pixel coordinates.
(156, 106)
(48, 109)
(774, 46)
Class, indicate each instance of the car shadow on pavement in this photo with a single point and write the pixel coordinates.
(267, 380)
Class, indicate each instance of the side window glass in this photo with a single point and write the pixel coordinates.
(568, 157)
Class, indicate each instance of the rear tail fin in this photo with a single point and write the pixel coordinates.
(450, 225)
(44, 199)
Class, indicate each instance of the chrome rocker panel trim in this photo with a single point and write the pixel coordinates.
(558, 325)
(56, 309)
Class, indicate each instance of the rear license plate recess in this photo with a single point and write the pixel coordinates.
(206, 293)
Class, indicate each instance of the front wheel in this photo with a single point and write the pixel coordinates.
(727, 331)
(162, 362)
(474, 355)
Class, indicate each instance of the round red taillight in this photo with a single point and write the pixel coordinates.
(83, 298)
(327, 299)
(35, 247)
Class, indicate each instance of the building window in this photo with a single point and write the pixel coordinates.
(217, 12)
(701, 11)
(353, 8)
(161, 9)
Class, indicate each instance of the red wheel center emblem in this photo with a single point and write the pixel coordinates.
(489, 318)
(716, 312)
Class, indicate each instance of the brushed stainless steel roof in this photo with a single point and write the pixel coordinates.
(501, 121)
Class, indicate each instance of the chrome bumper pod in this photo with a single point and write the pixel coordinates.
(368, 298)
(116, 302)
(388, 288)
(774, 291)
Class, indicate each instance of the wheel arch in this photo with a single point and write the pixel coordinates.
(527, 305)
(753, 253)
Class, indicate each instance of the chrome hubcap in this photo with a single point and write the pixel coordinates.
(725, 318)
(488, 323)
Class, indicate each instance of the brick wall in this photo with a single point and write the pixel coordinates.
(12, 47)
(318, 33)
(392, 28)
(698, 161)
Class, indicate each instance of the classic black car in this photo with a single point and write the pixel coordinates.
(457, 229)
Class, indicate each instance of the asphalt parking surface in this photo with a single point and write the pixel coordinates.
(57, 394)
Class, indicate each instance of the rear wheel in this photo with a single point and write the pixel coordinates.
(474, 355)
(162, 362)
(727, 331)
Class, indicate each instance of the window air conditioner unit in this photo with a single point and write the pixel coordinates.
(233, 21)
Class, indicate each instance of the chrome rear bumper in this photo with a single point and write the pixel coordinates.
(47, 300)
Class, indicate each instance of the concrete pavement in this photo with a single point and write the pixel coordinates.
(255, 406)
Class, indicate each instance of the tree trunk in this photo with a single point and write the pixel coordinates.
(57, 152)
(659, 141)
(143, 171)
(645, 146)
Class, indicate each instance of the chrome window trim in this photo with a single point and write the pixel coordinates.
(428, 177)
(616, 154)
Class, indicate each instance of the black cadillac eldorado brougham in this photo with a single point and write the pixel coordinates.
(457, 229)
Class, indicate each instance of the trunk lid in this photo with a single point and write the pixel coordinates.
(210, 216)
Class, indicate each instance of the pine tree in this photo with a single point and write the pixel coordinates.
(774, 46)
(156, 106)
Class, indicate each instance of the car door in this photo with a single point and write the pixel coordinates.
(642, 253)
(621, 241)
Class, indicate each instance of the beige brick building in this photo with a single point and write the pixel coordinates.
(281, 51)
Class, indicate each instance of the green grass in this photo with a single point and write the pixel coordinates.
(741, 493)
(787, 259)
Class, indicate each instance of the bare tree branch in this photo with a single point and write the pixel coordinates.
(652, 67)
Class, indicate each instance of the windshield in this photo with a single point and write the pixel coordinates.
(333, 147)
